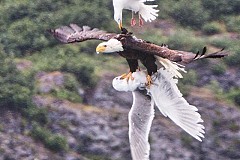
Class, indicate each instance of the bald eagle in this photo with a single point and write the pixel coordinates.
(132, 48)
(147, 12)
(168, 99)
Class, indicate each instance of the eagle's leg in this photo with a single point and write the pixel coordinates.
(133, 65)
(149, 81)
(140, 21)
(149, 63)
(133, 21)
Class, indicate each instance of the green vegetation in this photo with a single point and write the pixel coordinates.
(24, 29)
(186, 40)
(52, 141)
(231, 96)
(189, 79)
(16, 89)
(213, 28)
(24, 37)
(232, 23)
(195, 14)
(36, 114)
(97, 157)
(234, 95)
(189, 12)
(219, 69)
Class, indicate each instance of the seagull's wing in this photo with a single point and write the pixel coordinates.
(140, 116)
(170, 102)
(73, 33)
(140, 120)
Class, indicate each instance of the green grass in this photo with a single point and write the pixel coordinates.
(184, 39)
(213, 28)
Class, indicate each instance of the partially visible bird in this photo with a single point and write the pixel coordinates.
(168, 99)
(140, 116)
(147, 12)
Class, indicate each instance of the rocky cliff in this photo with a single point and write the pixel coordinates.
(98, 129)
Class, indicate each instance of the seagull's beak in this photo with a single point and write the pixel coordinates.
(120, 25)
(100, 49)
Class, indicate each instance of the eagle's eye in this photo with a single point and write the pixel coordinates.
(105, 45)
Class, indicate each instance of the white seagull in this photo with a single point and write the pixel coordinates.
(168, 99)
(147, 12)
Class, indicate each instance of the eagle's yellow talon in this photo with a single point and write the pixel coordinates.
(127, 76)
(123, 76)
(149, 81)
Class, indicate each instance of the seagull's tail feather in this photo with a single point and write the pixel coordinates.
(170, 102)
(148, 12)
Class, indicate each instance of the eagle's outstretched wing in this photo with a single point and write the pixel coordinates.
(139, 45)
(73, 33)
(170, 102)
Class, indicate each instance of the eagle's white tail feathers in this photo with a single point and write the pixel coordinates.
(170, 102)
(148, 12)
(172, 67)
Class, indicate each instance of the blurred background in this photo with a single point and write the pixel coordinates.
(57, 101)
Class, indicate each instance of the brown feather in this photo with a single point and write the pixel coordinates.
(134, 48)
(139, 45)
(74, 34)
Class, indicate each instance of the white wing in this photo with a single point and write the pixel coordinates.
(148, 12)
(171, 67)
(140, 120)
(170, 102)
(140, 116)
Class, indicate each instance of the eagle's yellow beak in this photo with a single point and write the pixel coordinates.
(100, 48)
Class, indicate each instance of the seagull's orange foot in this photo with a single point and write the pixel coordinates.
(140, 22)
(133, 22)
(149, 81)
(127, 76)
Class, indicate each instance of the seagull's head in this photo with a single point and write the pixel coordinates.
(113, 45)
(118, 18)
(119, 21)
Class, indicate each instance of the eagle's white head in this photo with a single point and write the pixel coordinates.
(113, 45)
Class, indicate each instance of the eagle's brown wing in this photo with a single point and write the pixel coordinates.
(73, 33)
(163, 51)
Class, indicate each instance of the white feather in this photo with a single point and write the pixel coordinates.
(170, 102)
(140, 120)
(168, 99)
(172, 67)
(147, 12)
(115, 45)
(112, 45)
(130, 85)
